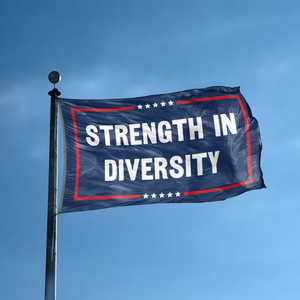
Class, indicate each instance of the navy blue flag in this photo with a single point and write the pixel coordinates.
(186, 147)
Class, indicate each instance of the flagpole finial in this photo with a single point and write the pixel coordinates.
(54, 77)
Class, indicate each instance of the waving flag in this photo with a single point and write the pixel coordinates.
(186, 147)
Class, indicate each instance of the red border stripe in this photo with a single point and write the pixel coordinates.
(207, 99)
(104, 109)
(73, 110)
(107, 197)
(76, 198)
(227, 187)
(247, 137)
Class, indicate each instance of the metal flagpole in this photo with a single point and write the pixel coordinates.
(50, 280)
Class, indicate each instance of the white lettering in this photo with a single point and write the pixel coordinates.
(177, 167)
(146, 168)
(228, 123)
(157, 168)
(149, 133)
(214, 159)
(199, 157)
(107, 164)
(106, 129)
(166, 136)
(160, 164)
(179, 124)
(134, 134)
(217, 125)
(121, 131)
(195, 128)
(188, 172)
(121, 169)
(132, 170)
(90, 129)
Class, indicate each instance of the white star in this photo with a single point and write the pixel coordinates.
(153, 195)
(170, 194)
(170, 102)
(155, 104)
(140, 106)
(163, 103)
(161, 195)
(147, 105)
(178, 194)
(146, 196)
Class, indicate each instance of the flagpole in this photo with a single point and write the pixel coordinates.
(50, 278)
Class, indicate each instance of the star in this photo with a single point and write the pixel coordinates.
(147, 105)
(163, 103)
(170, 102)
(155, 104)
(153, 195)
(178, 194)
(170, 194)
(146, 196)
(140, 106)
(161, 195)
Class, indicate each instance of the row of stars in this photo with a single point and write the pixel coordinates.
(161, 195)
(140, 106)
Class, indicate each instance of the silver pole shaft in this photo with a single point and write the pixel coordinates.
(50, 280)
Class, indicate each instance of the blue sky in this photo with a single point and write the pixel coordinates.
(246, 247)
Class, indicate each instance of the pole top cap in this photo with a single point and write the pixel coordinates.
(54, 77)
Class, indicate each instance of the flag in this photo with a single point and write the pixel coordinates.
(192, 146)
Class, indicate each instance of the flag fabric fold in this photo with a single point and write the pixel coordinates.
(192, 146)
